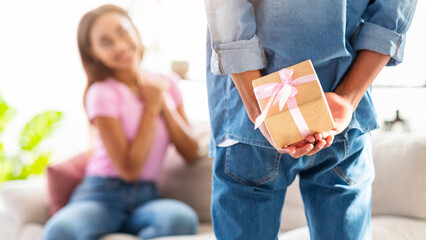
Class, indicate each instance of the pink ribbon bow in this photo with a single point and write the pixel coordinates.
(283, 93)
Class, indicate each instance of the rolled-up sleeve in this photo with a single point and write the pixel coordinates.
(235, 45)
(384, 28)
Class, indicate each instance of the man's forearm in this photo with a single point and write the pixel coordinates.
(365, 68)
(245, 88)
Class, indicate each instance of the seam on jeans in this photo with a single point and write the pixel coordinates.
(346, 147)
(342, 175)
(258, 182)
(337, 170)
(229, 173)
(345, 178)
(311, 161)
(274, 172)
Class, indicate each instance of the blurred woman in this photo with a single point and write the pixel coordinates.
(137, 115)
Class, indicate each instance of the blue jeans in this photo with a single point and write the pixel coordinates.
(249, 187)
(102, 205)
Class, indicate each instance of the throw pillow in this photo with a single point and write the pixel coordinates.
(62, 178)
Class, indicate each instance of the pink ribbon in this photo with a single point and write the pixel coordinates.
(283, 93)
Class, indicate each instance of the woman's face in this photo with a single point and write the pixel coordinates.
(115, 42)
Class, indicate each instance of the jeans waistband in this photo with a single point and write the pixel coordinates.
(119, 182)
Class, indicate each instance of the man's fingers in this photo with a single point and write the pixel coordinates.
(325, 135)
(320, 145)
(290, 150)
(302, 151)
(310, 139)
(308, 146)
(318, 136)
(329, 141)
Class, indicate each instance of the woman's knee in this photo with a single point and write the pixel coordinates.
(182, 220)
(58, 230)
(83, 220)
(175, 218)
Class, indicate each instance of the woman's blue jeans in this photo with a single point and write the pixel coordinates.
(102, 205)
(249, 187)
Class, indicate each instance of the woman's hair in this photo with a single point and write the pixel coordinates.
(95, 69)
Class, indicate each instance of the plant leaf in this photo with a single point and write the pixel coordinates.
(40, 163)
(6, 114)
(6, 168)
(39, 128)
(37, 167)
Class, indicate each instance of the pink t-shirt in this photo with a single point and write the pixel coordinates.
(111, 98)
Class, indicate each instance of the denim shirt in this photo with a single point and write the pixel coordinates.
(273, 34)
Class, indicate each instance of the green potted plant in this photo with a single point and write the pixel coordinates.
(30, 159)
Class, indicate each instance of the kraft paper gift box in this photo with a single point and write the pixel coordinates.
(293, 104)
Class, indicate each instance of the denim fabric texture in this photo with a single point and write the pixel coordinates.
(102, 205)
(250, 182)
(270, 35)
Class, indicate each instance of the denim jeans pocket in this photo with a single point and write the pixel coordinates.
(251, 165)
(357, 165)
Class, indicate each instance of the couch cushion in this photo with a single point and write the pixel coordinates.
(207, 236)
(398, 228)
(62, 178)
(296, 234)
(119, 236)
(383, 228)
(189, 183)
(399, 187)
(205, 231)
(34, 232)
(31, 231)
(8, 224)
(26, 200)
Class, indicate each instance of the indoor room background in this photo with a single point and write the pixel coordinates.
(40, 66)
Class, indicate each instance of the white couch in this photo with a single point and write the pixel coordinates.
(399, 195)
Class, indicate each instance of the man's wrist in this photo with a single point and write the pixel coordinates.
(245, 88)
(360, 76)
(349, 97)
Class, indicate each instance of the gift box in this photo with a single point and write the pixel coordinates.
(302, 109)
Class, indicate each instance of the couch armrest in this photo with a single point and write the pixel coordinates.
(25, 201)
(399, 187)
(8, 224)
